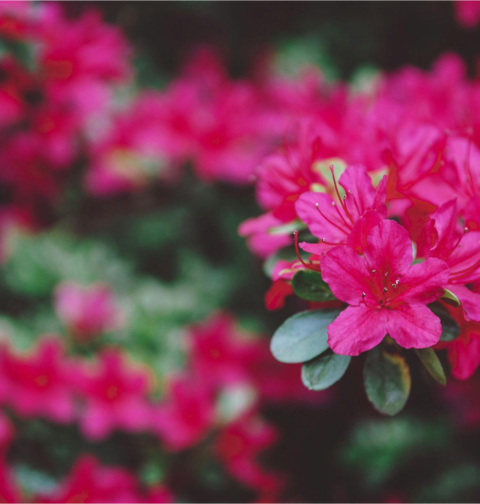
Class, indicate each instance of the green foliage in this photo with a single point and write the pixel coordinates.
(450, 328)
(309, 285)
(324, 371)
(377, 448)
(303, 336)
(387, 380)
(432, 364)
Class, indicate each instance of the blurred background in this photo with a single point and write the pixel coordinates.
(134, 358)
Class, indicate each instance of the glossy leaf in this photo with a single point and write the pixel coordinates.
(309, 285)
(387, 381)
(432, 364)
(325, 370)
(303, 336)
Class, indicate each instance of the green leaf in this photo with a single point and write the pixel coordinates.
(450, 298)
(309, 285)
(450, 328)
(324, 371)
(432, 364)
(303, 336)
(387, 381)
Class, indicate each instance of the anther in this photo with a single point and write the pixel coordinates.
(363, 294)
(386, 273)
(385, 289)
(374, 271)
(465, 230)
(323, 239)
(397, 282)
(394, 286)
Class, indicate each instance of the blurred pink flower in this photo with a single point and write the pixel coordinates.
(90, 482)
(38, 384)
(239, 444)
(87, 311)
(468, 12)
(115, 396)
(187, 413)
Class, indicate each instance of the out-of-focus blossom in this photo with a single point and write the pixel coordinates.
(87, 311)
(467, 12)
(238, 446)
(109, 389)
(39, 384)
(187, 413)
(91, 482)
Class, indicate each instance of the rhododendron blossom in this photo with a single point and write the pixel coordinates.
(386, 294)
(350, 218)
(87, 311)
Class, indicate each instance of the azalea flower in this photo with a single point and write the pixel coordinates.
(444, 238)
(87, 311)
(186, 415)
(91, 482)
(350, 218)
(109, 389)
(238, 446)
(385, 293)
(39, 384)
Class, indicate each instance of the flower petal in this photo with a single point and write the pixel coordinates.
(470, 301)
(414, 326)
(424, 282)
(347, 275)
(389, 249)
(357, 329)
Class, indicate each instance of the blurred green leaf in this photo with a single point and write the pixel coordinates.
(309, 285)
(324, 371)
(387, 380)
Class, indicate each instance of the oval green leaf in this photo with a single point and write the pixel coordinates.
(387, 381)
(325, 370)
(432, 364)
(303, 336)
(309, 285)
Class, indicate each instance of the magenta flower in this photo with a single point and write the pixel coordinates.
(91, 482)
(464, 350)
(386, 294)
(467, 13)
(444, 238)
(38, 384)
(115, 397)
(87, 311)
(238, 446)
(350, 218)
(187, 414)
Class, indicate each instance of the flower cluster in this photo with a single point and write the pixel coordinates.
(217, 398)
(395, 217)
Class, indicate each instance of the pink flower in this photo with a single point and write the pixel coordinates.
(260, 237)
(80, 58)
(467, 12)
(186, 415)
(385, 293)
(38, 384)
(219, 351)
(90, 482)
(87, 311)
(8, 490)
(114, 396)
(238, 446)
(444, 238)
(464, 350)
(350, 218)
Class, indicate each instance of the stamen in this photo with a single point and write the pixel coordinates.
(338, 194)
(329, 220)
(374, 271)
(297, 251)
(385, 289)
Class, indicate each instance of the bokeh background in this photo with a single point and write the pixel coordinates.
(134, 362)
